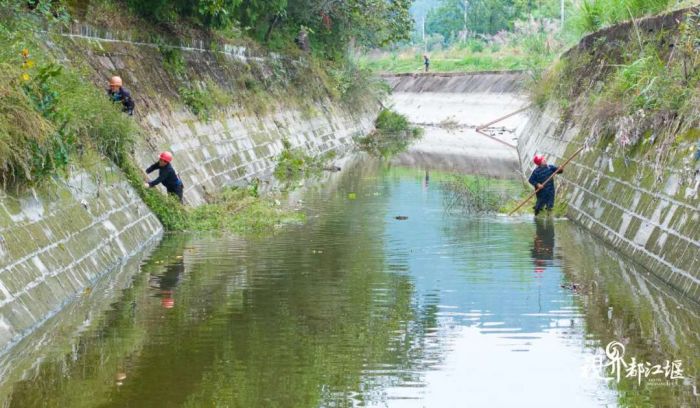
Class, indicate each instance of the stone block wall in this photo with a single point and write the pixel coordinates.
(57, 240)
(234, 143)
(649, 213)
(237, 148)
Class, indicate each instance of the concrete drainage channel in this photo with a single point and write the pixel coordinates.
(453, 110)
(660, 230)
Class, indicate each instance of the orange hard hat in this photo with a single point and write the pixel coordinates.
(166, 157)
(115, 81)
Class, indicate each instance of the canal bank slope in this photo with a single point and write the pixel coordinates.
(60, 237)
(635, 184)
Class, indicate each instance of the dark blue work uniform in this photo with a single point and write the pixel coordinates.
(168, 177)
(124, 97)
(545, 197)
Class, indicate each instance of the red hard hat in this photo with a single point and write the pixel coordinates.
(166, 157)
(167, 303)
(538, 159)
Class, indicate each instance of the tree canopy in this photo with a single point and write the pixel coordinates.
(484, 16)
(335, 23)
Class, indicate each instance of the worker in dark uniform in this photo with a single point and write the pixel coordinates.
(426, 62)
(545, 191)
(166, 175)
(119, 94)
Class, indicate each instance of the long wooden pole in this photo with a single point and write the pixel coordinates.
(503, 117)
(546, 181)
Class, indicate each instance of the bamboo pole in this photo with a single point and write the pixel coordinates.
(481, 132)
(546, 181)
(503, 117)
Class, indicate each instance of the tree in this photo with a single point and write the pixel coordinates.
(485, 16)
(367, 22)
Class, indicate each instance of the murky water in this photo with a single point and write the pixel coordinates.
(358, 308)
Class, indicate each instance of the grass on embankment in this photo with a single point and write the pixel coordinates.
(407, 62)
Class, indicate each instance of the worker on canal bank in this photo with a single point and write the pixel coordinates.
(118, 94)
(166, 175)
(426, 62)
(545, 190)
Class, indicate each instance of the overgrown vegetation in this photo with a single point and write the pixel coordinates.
(642, 91)
(479, 195)
(205, 99)
(592, 15)
(293, 164)
(242, 211)
(392, 134)
(328, 26)
(49, 114)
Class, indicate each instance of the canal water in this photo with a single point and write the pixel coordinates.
(358, 308)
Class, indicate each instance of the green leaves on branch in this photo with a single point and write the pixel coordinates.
(393, 134)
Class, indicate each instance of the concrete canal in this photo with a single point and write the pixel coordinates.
(359, 308)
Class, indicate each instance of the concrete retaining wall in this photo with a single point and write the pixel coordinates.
(237, 148)
(653, 217)
(56, 241)
(233, 145)
(477, 82)
(641, 195)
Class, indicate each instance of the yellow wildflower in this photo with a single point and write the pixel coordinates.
(25, 77)
(25, 53)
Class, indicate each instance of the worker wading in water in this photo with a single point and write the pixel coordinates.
(166, 175)
(119, 94)
(545, 191)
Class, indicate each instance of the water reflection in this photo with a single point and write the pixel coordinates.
(357, 308)
(543, 244)
(167, 281)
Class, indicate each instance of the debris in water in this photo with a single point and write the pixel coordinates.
(401, 217)
(575, 287)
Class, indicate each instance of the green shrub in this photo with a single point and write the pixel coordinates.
(293, 164)
(476, 45)
(49, 114)
(204, 101)
(392, 134)
(474, 194)
(173, 62)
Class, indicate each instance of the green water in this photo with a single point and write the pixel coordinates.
(357, 308)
